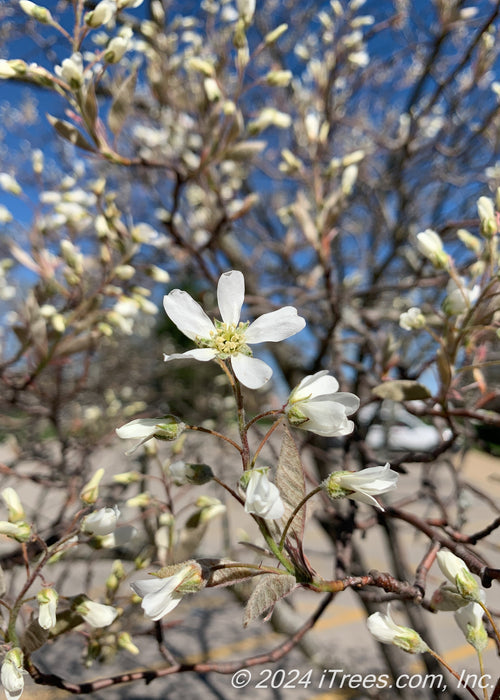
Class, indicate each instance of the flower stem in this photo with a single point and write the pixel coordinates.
(490, 618)
(481, 670)
(453, 673)
(264, 440)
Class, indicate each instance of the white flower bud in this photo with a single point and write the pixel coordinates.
(14, 505)
(101, 14)
(385, 630)
(97, 614)
(430, 244)
(470, 620)
(101, 522)
(273, 36)
(71, 71)
(41, 14)
(9, 184)
(47, 600)
(413, 319)
(12, 673)
(261, 496)
(457, 572)
(6, 70)
(90, 492)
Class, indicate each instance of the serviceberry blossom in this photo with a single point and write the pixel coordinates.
(361, 486)
(262, 498)
(97, 614)
(385, 630)
(47, 601)
(317, 405)
(161, 595)
(457, 572)
(430, 244)
(12, 674)
(230, 338)
(470, 620)
(101, 522)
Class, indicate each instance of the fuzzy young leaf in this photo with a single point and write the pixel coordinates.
(291, 484)
(223, 572)
(401, 390)
(267, 592)
(34, 637)
(122, 104)
(69, 132)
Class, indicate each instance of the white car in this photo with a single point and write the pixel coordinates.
(394, 428)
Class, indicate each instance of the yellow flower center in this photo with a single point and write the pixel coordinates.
(227, 339)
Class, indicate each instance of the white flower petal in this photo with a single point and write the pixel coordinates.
(275, 326)
(200, 354)
(230, 295)
(252, 372)
(319, 384)
(326, 418)
(363, 497)
(157, 594)
(187, 314)
(138, 428)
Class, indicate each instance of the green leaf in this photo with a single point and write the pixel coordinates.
(69, 132)
(122, 103)
(267, 592)
(291, 484)
(401, 390)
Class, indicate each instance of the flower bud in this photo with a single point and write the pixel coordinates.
(71, 71)
(8, 183)
(279, 78)
(413, 319)
(101, 14)
(90, 492)
(96, 614)
(273, 36)
(14, 505)
(470, 620)
(41, 14)
(487, 216)
(457, 572)
(12, 673)
(101, 522)
(47, 600)
(125, 642)
(385, 630)
(430, 244)
(18, 531)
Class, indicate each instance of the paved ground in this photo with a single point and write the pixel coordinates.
(211, 621)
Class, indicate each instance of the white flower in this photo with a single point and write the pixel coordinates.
(71, 71)
(487, 216)
(262, 497)
(460, 298)
(385, 630)
(412, 319)
(97, 614)
(13, 503)
(101, 14)
(161, 595)
(101, 522)
(230, 338)
(457, 572)
(361, 486)
(317, 405)
(12, 674)
(430, 244)
(8, 183)
(470, 620)
(166, 428)
(47, 601)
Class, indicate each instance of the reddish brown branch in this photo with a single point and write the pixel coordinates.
(149, 675)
